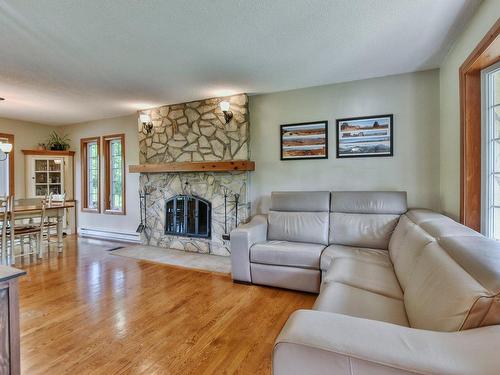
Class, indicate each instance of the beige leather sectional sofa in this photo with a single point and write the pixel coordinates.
(400, 291)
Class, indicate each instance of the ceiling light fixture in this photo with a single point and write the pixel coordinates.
(5, 148)
(228, 115)
(147, 124)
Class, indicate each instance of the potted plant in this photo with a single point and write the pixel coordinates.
(55, 142)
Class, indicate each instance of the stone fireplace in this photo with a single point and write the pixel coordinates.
(192, 211)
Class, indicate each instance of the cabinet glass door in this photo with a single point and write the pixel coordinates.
(48, 177)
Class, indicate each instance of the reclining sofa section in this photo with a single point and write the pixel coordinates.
(294, 244)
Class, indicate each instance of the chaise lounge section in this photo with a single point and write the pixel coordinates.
(401, 292)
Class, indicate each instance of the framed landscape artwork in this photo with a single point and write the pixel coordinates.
(368, 136)
(307, 140)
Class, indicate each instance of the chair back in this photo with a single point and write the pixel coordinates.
(33, 221)
(3, 222)
(57, 198)
(29, 201)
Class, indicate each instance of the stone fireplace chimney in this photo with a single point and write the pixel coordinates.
(195, 132)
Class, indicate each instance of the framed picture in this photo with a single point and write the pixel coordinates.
(368, 136)
(307, 140)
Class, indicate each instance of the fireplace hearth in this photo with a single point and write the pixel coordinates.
(188, 216)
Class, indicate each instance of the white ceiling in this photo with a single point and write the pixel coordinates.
(69, 61)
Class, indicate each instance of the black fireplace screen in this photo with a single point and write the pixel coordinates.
(189, 216)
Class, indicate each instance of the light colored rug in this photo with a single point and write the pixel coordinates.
(206, 262)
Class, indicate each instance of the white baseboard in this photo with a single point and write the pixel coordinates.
(110, 235)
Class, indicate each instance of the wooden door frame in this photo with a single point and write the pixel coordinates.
(486, 53)
(12, 182)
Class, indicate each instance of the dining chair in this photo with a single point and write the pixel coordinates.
(18, 231)
(51, 222)
(3, 228)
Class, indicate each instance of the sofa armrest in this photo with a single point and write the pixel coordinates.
(242, 239)
(315, 342)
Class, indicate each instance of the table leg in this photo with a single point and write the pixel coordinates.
(60, 215)
(39, 248)
(4, 258)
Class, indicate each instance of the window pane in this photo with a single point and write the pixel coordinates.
(41, 190)
(496, 156)
(496, 223)
(496, 121)
(115, 175)
(53, 166)
(92, 175)
(496, 87)
(40, 165)
(491, 153)
(496, 189)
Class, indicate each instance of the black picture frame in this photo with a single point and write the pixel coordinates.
(283, 130)
(368, 154)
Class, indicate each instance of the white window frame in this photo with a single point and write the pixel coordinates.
(488, 140)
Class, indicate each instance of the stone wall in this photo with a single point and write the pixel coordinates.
(196, 131)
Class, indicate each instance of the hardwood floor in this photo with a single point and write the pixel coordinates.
(91, 312)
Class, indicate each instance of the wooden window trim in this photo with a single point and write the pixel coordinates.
(486, 53)
(12, 182)
(84, 174)
(107, 174)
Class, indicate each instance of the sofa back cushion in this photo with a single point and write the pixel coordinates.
(365, 218)
(300, 201)
(362, 230)
(405, 246)
(299, 216)
(442, 296)
(450, 274)
(311, 227)
(369, 202)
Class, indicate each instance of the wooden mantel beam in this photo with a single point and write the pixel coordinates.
(203, 166)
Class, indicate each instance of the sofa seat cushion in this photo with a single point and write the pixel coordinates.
(285, 253)
(373, 277)
(348, 300)
(362, 253)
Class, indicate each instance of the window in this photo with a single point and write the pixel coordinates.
(114, 156)
(90, 150)
(472, 137)
(7, 168)
(491, 141)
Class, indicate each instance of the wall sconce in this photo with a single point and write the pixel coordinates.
(228, 115)
(147, 124)
(6, 148)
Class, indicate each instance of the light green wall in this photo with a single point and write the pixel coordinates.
(117, 125)
(482, 21)
(412, 98)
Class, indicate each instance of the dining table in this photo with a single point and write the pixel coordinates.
(53, 210)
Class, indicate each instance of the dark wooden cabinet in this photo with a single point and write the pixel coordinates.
(10, 362)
